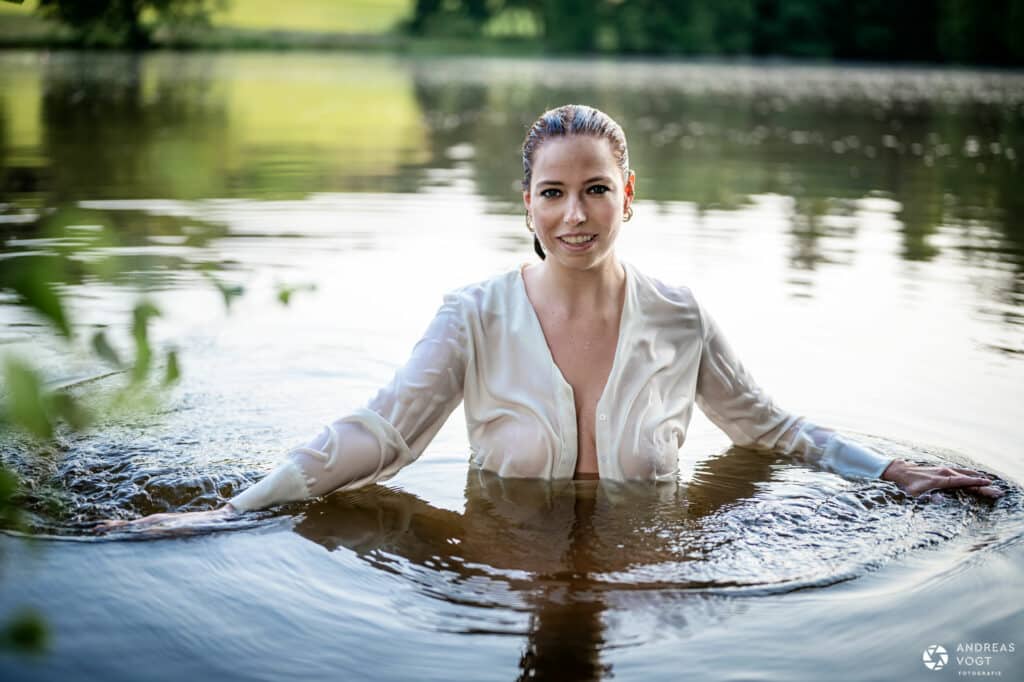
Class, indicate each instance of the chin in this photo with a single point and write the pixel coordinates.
(583, 261)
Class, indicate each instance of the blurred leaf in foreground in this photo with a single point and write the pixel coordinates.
(34, 409)
(140, 331)
(26, 633)
(10, 514)
(173, 372)
(104, 350)
(64, 405)
(285, 291)
(40, 295)
(229, 291)
(26, 405)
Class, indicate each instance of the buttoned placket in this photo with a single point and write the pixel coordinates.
(566, 467)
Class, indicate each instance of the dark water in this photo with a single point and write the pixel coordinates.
(858, 233)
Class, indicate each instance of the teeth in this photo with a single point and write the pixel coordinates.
(577, 240)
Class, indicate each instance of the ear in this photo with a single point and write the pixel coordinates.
(526, 199)
(629, 190)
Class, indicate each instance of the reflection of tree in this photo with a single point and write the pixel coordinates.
(565, 534)
(716, 150)
(807, 231)
(123, 23)
(127, 127)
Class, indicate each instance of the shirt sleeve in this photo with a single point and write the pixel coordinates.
(394, 428)
(729, 396)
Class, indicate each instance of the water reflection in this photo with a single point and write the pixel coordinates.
(546, 541)
(937, 151)
(559, 550)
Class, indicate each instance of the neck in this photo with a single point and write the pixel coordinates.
(583, 291)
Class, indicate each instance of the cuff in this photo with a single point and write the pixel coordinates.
(850, 460)
(284, 484)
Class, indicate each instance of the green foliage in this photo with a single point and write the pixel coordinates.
(37, 291)
(228, 291)
(26, 401)
(285, 291)
(173, 372)
(949, 30)
(104, 350)
(124, 23)
(10, 514)
(25, 633)
(141, 315)
(33, 408)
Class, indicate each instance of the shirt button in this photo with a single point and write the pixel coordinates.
(603, 417)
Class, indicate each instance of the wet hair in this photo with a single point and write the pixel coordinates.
(566, 120)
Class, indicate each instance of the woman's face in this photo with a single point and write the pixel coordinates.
(577, 198)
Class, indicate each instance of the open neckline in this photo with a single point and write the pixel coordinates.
(616, 360)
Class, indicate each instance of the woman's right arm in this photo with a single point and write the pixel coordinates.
(374, 442)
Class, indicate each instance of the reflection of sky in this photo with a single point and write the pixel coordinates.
(855, 231)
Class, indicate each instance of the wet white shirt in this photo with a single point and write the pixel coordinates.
(486, 349)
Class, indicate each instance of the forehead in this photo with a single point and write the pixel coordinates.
(563, 158)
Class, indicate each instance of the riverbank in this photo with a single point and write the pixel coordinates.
(255, 25)
(31, 33)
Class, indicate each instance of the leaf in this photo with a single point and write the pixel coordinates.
(173, 372)
(26, 407)
(104, 349)
(64, 405)
(26, 632)
(140, 331)
(285, 291)
(10, 514)
(228, 291)
(40, 295)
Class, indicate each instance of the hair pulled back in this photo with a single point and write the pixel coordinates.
(566, 120)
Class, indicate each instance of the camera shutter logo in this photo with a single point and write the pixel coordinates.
(935, 657)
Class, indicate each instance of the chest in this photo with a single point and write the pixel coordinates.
(584, 352)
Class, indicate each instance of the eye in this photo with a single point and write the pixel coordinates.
(551, 193)
(598, 189)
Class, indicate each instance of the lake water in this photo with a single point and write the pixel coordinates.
(857, 232)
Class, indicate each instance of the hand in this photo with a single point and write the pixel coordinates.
(168, 522)
(917, 478)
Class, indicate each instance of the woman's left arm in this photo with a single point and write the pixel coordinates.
(730, 397)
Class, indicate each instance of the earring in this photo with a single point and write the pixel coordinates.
(529, 222)
(628, 215)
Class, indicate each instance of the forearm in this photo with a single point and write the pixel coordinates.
(343, 453)
(829, 451)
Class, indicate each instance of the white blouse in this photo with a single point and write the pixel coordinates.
(486, 349)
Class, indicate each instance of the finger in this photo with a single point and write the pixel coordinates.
(986, 491)
(969, 472)
(963, 481)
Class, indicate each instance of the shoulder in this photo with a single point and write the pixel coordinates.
(651, 291)
(663, 304)
(490, 294)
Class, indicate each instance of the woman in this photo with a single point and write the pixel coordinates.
(578, 366)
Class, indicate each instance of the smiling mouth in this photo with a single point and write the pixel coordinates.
(576, 240)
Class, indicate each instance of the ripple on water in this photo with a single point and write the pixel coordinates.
(746, 523)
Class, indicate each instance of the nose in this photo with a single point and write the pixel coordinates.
(574, 214)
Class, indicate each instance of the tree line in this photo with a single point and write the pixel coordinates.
(959, 31)
(938, 31)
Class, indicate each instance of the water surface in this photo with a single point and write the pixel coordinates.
(858, 234)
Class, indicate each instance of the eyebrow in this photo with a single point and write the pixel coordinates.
(597, 178)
